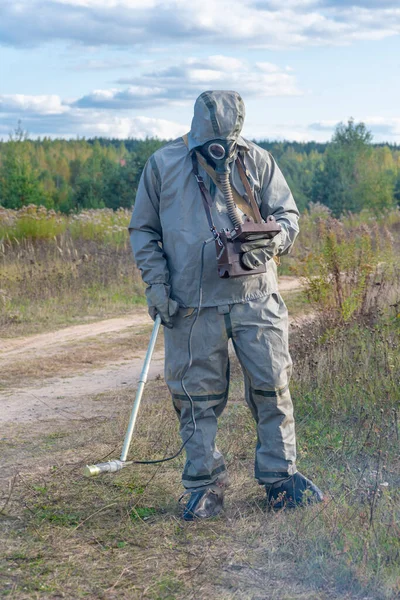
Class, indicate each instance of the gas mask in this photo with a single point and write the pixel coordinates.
(220, 153)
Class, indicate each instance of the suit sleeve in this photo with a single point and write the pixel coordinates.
(277, 200)
(145, 229)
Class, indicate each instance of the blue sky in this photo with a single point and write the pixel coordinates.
(132, 68)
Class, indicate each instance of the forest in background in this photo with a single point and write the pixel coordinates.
(350, 173)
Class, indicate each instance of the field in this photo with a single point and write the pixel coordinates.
(57, 270)
(121, 536)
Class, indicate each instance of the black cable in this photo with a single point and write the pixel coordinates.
(184, 373)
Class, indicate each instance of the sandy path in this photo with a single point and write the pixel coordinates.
(60, 398)
(287, 283)
(46, 342)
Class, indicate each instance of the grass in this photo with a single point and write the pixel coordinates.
(36, 223)
(57, 270)
(297, 304)
(121, 536)
(48, 285)
(21, 317)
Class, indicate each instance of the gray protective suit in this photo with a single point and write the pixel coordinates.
(167, 229)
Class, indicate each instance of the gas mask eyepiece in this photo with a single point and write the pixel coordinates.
(219, 153)
(216, 151)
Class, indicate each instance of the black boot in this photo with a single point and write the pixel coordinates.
(203, 504)
(295, 491)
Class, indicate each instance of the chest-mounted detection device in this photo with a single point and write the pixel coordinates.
(220, 154)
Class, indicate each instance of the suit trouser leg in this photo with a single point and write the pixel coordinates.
(207, 382)
(260, 336)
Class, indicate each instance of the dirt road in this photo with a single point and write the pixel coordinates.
(46, 342)
(72, 396)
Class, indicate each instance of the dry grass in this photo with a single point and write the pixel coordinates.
(309, 246)
(57, 270)
(48, 285)
(37, 223)
(121, 536)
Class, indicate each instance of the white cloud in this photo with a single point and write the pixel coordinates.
(218, 62)
(132, 4)
(192, 76)
(91, 124)
(44, 105)
(132, 97)
(382, 128)
(283, 131)
(268, 67)
(50, 116)
(54, 117)
(101, 65)
(266, 23)
(324, 125)
(174, 85)
(382, 124)
(137, 127)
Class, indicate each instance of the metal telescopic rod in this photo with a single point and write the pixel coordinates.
(139, 393)
(116, 465)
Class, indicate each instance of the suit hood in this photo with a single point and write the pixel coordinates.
(218, 114)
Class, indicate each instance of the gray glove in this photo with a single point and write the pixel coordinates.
(258, 252)
(161, 304)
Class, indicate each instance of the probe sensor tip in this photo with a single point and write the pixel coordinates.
(91, 471)
(109, 467)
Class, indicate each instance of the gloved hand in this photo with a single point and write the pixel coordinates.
(161, 304)
(258, 252)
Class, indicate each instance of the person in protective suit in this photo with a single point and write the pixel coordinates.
(168, 228)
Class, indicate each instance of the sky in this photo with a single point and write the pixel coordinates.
(133, 68)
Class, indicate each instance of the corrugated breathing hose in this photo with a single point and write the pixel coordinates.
(230, 203)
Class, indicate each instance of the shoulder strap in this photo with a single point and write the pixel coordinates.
(242, 172)
(206, 197)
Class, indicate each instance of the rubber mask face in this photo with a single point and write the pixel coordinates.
(219, 153)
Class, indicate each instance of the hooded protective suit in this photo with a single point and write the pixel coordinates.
(167, 229)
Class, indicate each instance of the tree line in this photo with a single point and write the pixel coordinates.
(349, 173)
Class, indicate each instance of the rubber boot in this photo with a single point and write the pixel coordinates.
(203, 504)
(295, 491)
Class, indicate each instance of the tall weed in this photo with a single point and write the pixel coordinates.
(106, 225)
(55, 269)
(347, 268)
(36, 223)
